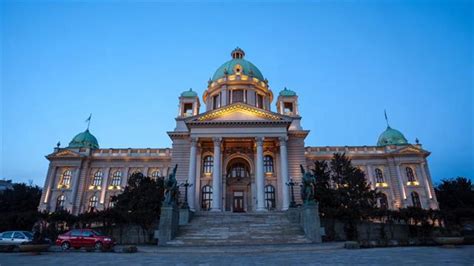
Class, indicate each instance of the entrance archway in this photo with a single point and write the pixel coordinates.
(238, 182)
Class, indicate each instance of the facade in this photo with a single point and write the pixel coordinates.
(238, 154)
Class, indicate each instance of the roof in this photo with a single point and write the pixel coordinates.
(391, 137)
(238, 64)
(189, 94)
(84, 140)
(287, 92)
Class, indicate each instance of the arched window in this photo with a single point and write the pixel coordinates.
(116, 179)
(93, 202)
(269, 197)
(135, 172)
(268, 164)
(238, 170)
(410, 174)
(378, 176)
(206, 198)
(60, 201)
(97, 180)
(208, 164)
(383, 201)
(66, 179)
(156, 174)
(415, 198)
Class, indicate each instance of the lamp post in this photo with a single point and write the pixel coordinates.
(186, 185)
(291, 184)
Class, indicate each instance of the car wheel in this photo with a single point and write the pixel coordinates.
(98, 246)
(65, 246)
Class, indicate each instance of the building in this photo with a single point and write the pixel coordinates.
(238, 154)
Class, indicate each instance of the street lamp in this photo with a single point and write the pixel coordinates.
(186, 185)
(291, 184)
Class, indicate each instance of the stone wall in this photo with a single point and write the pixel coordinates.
(334, 231)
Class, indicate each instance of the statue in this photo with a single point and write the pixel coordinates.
(171, 189)
(39, 231)
(307, 187)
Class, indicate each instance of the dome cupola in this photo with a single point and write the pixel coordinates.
(84, 140)
(237, 65)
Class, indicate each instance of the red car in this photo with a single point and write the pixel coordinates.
(88, 238)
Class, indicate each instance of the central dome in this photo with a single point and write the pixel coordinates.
(84, 140)
(237, 64)
(391, 137)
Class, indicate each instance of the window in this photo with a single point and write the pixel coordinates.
(66, 179)
(269, 197)
(76, 232)
(7, 235)
(18, 235)
(410, 175)
(378, 176)
(238, 170)
(287, 108)
(188, 109)
(206, 197)
(117, 179)
(268, 164)
(97, 180)
(156, 174)
(208, 164)
(237, 96)
(60, 203)
(111, 202)
(87, 234)
(93, 202)
(415, 198)
(383, 201)
(216, 101)
(259, 101)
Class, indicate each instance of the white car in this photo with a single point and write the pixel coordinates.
(15, 238)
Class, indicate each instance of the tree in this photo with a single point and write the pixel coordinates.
(18, 207)
(344, 192)
(140, 203)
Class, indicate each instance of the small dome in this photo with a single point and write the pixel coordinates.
(391, 137)
(238, 64)
(189, 94)
(84, 140)
(287, 92)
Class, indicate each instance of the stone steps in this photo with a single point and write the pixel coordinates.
(216, 229)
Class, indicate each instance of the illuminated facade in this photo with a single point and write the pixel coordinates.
(238, 154)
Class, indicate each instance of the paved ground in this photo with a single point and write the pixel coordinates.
(253, 255)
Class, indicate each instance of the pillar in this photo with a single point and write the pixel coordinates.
(216, 176)
(105, 183)
(402, 185)
(284, 174)
(259, 175)
(192, 174)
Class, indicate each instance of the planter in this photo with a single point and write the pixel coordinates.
(33, 247)
(449, 240)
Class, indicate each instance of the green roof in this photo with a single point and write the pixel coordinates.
(391, 137)
(189, 94)
(229, 67)
(287, 92)
(84, 140)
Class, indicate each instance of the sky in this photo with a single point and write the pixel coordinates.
(127, 62)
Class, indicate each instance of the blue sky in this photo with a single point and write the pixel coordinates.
(127, 62)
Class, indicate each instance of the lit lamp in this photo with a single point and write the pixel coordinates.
(291, 184)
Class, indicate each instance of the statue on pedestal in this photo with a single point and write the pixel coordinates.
(171, 189)
(307, 187)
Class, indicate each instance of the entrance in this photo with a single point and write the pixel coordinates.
(238, 201)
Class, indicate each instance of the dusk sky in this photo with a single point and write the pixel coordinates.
(127, 63)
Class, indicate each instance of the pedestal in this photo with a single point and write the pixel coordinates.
(169, 221)
(185, 216)
(310, 222)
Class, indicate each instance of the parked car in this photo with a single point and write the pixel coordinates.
(15, 238)
(87, 238)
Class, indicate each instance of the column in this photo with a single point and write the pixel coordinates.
(216, 176)
(402, 185)
(284, 173)
(75, 186)
(427, 183)
(105, 183)
(259, 175)
(192, 174)
(49, 184)
(371, 177)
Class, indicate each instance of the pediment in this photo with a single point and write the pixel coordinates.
(410, 150)
(65, 154)
(239, 112)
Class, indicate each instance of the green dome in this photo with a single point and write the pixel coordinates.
(189, 94)
(84, 140)
(287, 92)
(230, 67)
(391, 137)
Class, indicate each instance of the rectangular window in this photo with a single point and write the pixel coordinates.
(237, 96)
(216, 101)
(259, 101)
(188, 109)
(288, 108)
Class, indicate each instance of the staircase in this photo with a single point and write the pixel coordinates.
(212, 229)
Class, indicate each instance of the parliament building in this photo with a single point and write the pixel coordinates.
(238, 154)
